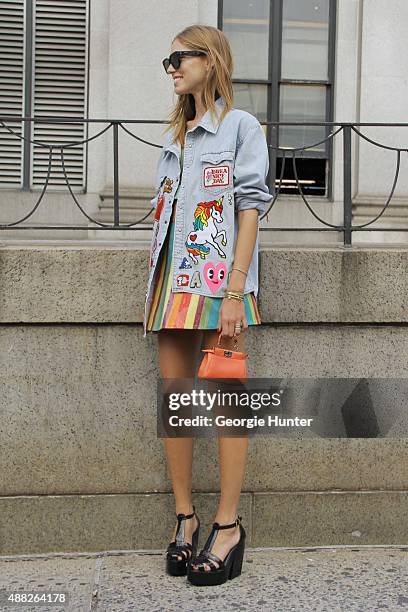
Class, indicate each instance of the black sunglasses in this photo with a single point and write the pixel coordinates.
(175, 58)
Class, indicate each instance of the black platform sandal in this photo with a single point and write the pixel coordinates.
(174, 565)
(227, 569)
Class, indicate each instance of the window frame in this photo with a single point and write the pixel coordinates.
(273, 86)
(27, 130)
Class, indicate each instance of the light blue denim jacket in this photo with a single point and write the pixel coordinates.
(224, 171)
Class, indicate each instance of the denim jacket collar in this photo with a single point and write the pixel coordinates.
(207, 122)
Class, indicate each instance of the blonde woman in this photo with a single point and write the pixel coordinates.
(203, 272)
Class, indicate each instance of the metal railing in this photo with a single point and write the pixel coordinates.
(347, 227)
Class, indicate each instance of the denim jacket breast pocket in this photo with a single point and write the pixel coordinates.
(217, 171)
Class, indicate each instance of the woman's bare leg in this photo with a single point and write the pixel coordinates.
(232, 458)
(178, 353)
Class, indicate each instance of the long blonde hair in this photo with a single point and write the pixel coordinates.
(215, 43)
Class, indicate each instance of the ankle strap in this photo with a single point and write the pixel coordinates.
(182, 516)
(237, 521)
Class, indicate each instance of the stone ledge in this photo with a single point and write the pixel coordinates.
(79, 410)
(108, 284)
(90, 523)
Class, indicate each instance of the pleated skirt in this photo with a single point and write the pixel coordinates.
(171, 310)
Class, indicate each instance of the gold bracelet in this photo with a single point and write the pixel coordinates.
(231, 295)
(234, 291)
(239, 270)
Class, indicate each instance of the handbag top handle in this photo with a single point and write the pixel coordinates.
(235, 341)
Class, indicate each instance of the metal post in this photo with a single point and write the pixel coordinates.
(115, 175)
(347, 204)
(27, 127)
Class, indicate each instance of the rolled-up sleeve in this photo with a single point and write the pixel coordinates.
(250, 172)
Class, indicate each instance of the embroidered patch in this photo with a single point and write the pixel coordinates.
(196, 280)
(154, 241)
(214, 275)
(184, 264)
(216, 176)
(182, 280)
(207, 217)
(159, 207)
(168, 185)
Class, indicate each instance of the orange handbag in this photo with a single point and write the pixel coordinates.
(223, 363)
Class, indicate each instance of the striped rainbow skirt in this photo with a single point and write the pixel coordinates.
(171, 310)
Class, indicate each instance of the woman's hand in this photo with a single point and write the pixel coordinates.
(231, 312)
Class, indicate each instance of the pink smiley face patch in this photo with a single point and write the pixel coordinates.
(214, 275)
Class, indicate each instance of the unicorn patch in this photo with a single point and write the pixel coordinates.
(207, 216)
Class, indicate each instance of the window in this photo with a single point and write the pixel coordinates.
(43, 70)
(283, 54)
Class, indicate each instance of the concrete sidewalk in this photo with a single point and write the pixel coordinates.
(276, 579)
